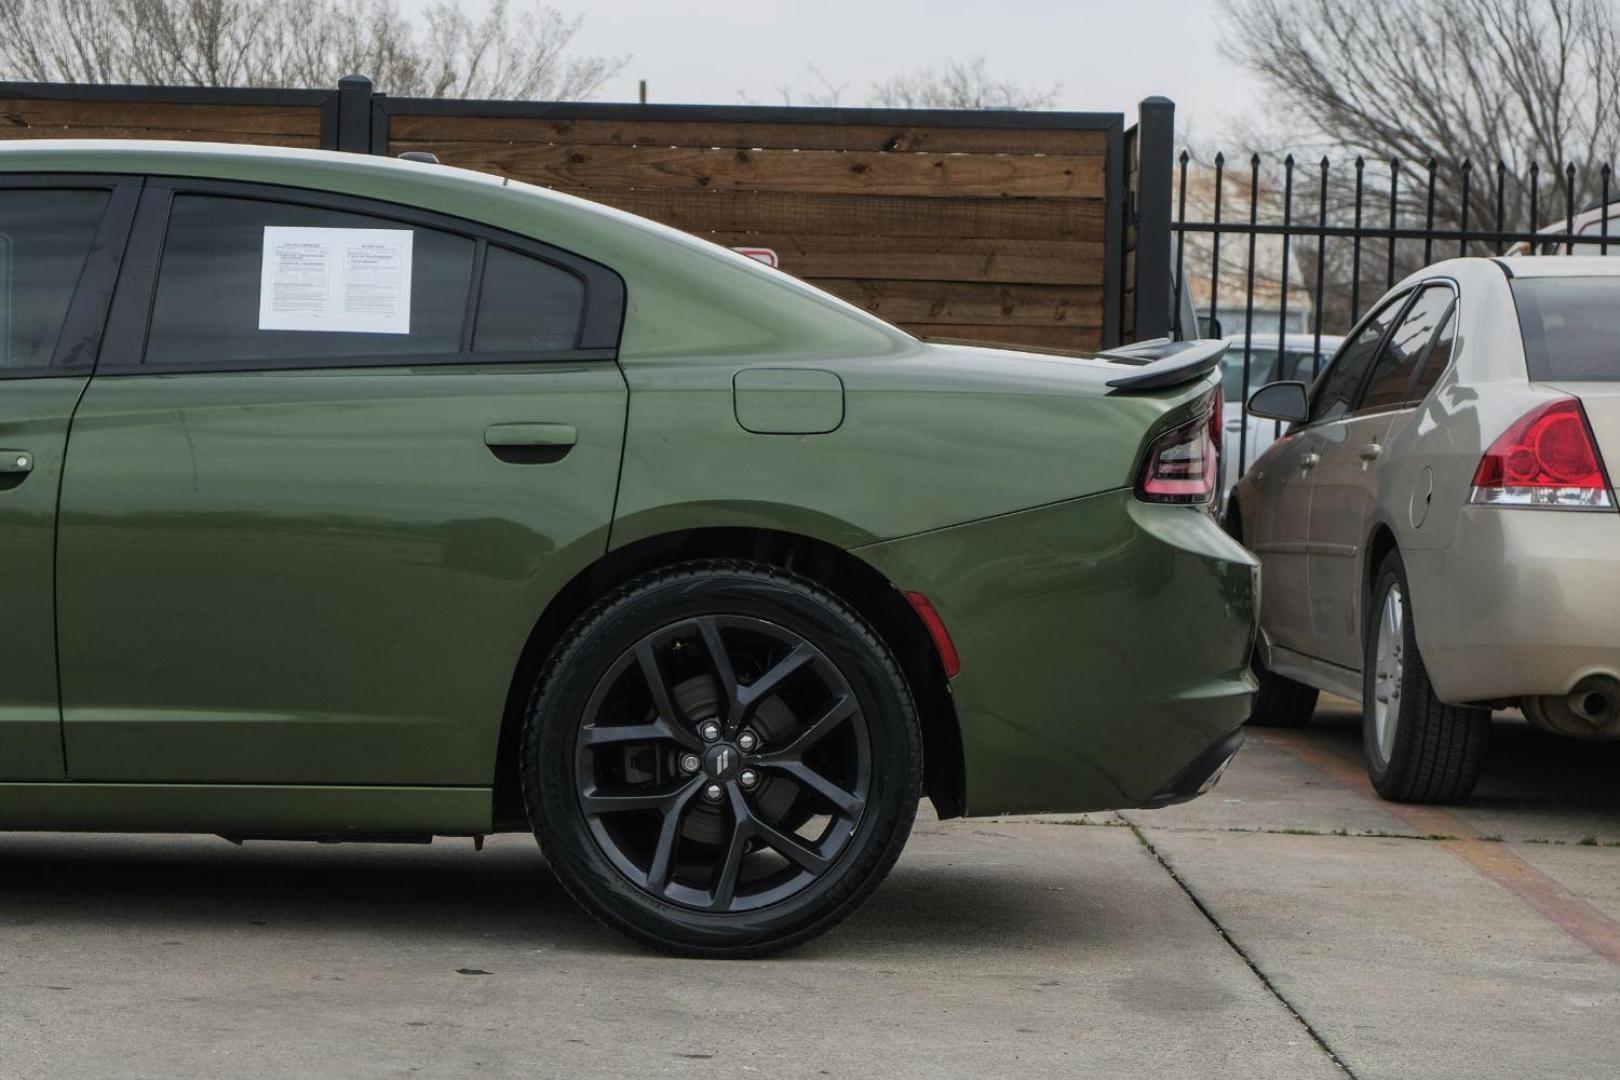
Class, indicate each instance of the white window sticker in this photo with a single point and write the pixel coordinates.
(355, 281)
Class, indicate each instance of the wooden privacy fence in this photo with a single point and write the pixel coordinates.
(1014, 228)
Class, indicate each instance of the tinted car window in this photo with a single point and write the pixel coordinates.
(1570, 326)
(1303, 366)
(45, 237)
(207, 309)
(526, 305)
(1336, 392)
(1595, 228)
(1406, 349)
(1262, 369)
(1439, 358)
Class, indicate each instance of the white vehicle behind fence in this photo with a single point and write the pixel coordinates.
(1297, 353)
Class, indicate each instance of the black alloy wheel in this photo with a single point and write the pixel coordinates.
(683, 775)
(721, 760)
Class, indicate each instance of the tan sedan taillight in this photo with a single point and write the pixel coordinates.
(1548, 459)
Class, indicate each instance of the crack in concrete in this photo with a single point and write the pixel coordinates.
(1231, 943)
(1495, 862)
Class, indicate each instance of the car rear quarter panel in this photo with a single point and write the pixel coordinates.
(931, 437)
(1104, 645)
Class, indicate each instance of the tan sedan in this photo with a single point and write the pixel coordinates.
(1438, 531)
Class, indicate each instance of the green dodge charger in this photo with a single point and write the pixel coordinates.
(345, 498)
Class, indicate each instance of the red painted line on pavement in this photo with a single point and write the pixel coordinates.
(1492, 859)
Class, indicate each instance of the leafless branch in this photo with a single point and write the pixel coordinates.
(495, 50)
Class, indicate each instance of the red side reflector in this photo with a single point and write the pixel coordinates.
(936, 630)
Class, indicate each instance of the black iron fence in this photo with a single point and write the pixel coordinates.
(1274, 253)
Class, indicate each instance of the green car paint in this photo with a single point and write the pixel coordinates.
(34, 415)
(1104, 643)
(293, 601)
(316, 577)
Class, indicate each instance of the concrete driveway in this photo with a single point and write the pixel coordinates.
(1288, 925)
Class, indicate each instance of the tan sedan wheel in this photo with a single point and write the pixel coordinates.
(1418, 748)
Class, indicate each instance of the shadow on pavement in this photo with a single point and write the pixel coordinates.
(446, 894)
(1526, 768)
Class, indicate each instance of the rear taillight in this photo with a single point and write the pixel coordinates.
(1183, 463)
(1547, 459)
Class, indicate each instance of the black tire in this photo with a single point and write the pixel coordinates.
(1434, 752)
(1281, 702)
(675, 877)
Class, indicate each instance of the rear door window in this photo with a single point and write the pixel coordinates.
(1407, 347)
(45, 239)
(216, 278)
(526, 305)
(1434, 365)
(1570, 326)
(1337, 390)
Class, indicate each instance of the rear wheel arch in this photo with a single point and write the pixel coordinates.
(852, 580)
(1380, 542)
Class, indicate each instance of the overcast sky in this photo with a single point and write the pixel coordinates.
(1106, 55)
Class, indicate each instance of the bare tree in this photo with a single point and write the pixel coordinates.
(959, 84)
(505, 51)
(1453, 81)
(828, 95)
(1496, 96)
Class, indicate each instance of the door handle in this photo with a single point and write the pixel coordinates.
(530, 435)
(16, 462)
(1308, 461)
(1371, 451)
(530, 443)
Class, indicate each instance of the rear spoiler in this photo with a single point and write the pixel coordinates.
(1161, 362)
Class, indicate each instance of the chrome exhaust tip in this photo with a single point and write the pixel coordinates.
(1594, 698)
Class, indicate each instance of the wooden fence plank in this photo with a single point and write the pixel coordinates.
(973, 304)
(860, 215)
(428, 131)
(810, 171)
(310, 142)
(929, 258)
(55, 116)
(986, 234)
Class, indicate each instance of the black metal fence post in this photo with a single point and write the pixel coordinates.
(1155, 151)
(354, 114)
(1248, 310)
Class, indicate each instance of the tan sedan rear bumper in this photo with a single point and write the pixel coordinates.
(1522, 602)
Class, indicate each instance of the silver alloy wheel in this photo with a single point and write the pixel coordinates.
(1388, 656)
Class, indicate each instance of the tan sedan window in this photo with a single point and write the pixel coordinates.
(1435, 364)
(1407, 345)
(1335, 393)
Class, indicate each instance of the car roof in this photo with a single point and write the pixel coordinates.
(111, 155)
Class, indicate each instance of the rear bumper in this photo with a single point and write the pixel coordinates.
(1105, 649)
(1201, 775)
(1521, 602)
